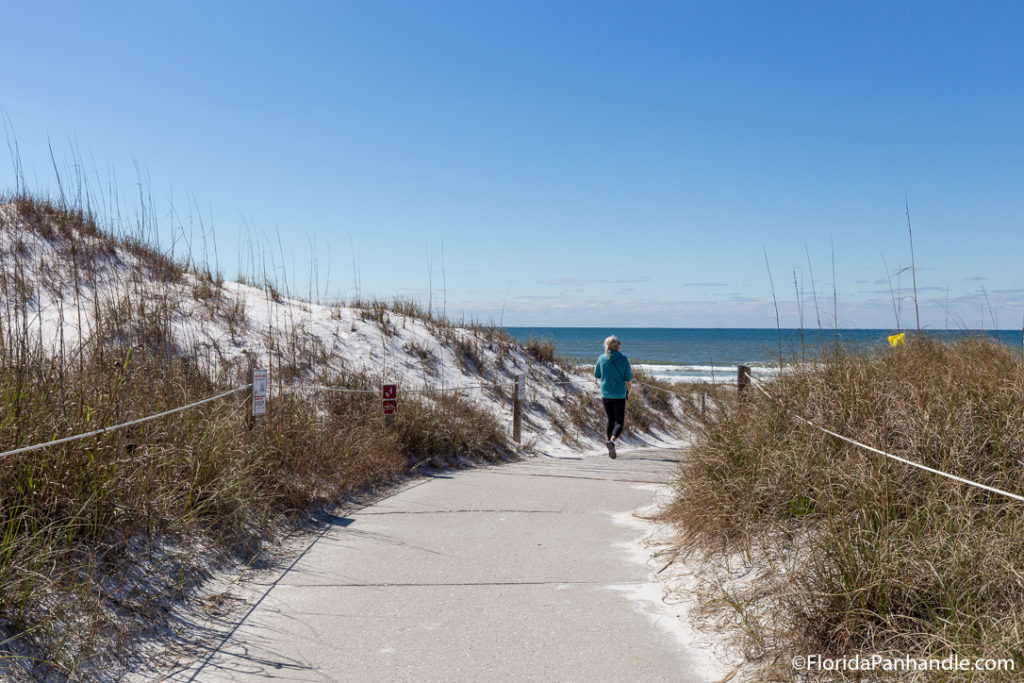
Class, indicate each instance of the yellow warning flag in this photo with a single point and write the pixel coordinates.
(897, 339)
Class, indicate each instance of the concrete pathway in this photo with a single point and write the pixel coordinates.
(514, 572)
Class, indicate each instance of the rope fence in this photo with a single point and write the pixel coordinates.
(656, 388)
(514, 384)
(413, 390)
(327, 389)
(744, 377)
(911, 463)
(123, 425)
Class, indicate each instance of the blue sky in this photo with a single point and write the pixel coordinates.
(553, 163)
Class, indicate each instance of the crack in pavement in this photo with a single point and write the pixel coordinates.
(461, 584)
(442, 512)
(574, 476)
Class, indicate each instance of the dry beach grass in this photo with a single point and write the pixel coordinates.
(71, 516)
(859, 554)
(100, 537)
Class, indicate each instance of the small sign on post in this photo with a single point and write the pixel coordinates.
(259, 392)
(517, 409)
(389, 403)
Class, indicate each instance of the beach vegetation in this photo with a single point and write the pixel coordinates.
(100, 536)
(103, 538)
(856, 553)
(467, 352)
(542, 350)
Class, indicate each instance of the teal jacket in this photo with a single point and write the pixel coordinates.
(613, 370)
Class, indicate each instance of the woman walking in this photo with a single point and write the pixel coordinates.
(615, 374)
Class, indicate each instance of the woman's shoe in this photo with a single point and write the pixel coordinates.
(611, 449)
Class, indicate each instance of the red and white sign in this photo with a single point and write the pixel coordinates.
(389, 405)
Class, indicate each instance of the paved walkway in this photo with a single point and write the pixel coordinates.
(526, 571)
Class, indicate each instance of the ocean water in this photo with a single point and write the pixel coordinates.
(712, 354)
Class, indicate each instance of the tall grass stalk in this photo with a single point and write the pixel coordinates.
(814, 291)
(835, 299)
(913, 265)
(775, 302)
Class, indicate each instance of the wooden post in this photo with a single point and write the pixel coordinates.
(517, 413)
(703, 401)
(742, 378)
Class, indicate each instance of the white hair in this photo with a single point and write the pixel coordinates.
(610, 342)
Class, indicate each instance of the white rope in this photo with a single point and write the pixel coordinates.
(336, 390)
(104, 430)
(416, 390)
(757, 383)
(457, 388)
(667, 391)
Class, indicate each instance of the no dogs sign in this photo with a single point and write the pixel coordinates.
(389, 394)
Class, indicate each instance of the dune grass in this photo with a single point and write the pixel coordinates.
(78, 520)
(100, 537)
(861, 554)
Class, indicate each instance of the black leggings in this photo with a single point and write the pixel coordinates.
(615, 408)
